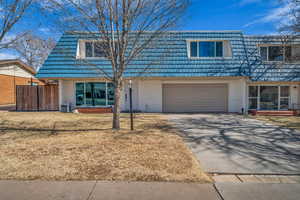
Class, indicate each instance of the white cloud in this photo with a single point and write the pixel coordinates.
(4, 56)
(9, 37)
(279, 15)
(44, 30)
(1, 12)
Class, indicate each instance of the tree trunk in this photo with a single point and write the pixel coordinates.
(117, 105)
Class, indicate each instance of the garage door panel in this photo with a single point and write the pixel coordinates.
(195, 98)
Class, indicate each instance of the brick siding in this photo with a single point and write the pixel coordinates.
(95, 110)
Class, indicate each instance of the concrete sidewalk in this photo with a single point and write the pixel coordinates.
(94, 190)
(258, 191)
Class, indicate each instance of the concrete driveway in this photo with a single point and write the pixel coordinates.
(227, 143)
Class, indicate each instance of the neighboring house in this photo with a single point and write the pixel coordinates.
(190, 71)
(12, 73)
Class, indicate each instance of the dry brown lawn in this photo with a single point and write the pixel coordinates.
(286, 121)
(67, 146)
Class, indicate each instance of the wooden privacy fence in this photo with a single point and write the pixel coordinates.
(37, 98)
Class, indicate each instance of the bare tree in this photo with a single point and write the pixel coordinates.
(291, 20)
(11, 11)
(257, 65)
(124, 29)
(33, 49)
(288, 38)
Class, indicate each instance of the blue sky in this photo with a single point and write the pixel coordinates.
(250, 16)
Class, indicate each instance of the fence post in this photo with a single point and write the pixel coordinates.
(38, 98)
(16, 98)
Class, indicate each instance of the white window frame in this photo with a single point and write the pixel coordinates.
(276, 45)
(188, 45)
(93, 49)
(81, 49)
(279, 96)
(257, 98)
(190, 52)
(84, 89)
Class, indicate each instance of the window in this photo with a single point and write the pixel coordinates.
(110, 94)
(194, 47)
(276, 53)
(253, 97)
(219, 49)
(264, 53)
(280, 53)
(284, 97)
(94, 94)
(80, 94)
(288, 54)
(89, 49)
(268, 97)
(206, 49)
(95, 49)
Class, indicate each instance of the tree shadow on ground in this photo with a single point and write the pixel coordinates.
(294, 123)
(239, 137)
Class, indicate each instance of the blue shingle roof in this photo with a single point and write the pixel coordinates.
(262, 71)
(168, 59)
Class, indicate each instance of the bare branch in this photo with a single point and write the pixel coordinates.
(126, 29)
(32, 49)
(11, 11)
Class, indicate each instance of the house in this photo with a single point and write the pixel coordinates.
(12, 73)
(202, 71)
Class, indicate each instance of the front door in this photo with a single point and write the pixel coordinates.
(269, 97)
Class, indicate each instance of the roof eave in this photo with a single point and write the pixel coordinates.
(20, 63)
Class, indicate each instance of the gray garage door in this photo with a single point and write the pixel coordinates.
(195, 98)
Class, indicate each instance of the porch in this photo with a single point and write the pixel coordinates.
(274, 112)
(273, 99)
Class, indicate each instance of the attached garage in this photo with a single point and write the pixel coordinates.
(193, 98)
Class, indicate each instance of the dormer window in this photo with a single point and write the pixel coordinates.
(209, 49)
(95, 49)
(280, 53)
